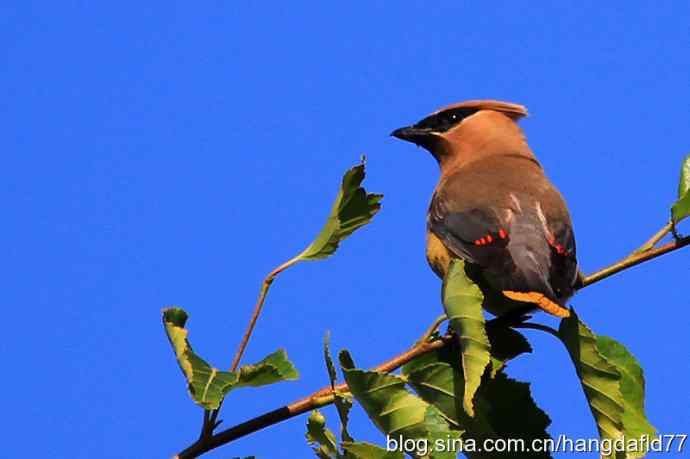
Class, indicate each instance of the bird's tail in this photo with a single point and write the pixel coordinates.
(532, 258)
(540, 300)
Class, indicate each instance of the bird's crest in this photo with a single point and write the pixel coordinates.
(514, 111)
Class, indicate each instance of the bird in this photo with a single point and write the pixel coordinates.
(494, 208)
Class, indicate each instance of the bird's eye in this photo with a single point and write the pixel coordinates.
(454, 117)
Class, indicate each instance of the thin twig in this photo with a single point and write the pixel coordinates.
(257, 310)
(211, 422)
(325, 396)
(655, 239)
(634, 259)
(432, 328)
(205, 425)
(533, 326)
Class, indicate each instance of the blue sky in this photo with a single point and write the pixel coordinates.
(173, 153)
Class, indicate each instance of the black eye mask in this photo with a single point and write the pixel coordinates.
(442, 121)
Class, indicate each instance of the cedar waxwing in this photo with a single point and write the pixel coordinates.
(493, 206)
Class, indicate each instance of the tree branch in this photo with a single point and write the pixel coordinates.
(318, 399)
(325, 396)
(633, 260)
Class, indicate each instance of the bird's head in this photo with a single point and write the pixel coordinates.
(468, 129)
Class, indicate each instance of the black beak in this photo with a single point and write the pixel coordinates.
(420, 136)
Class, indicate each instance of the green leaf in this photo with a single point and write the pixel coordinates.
(330, 366)
(612, 381)
(437, 378)
(506, 344)
(274, 368)
(681, 209)
(462, 300)
(397, 412)
(632, 387)
(504, 407)
(354, 207)
(684, 182)
(363, 450)
(207, 385)
(512, 413)
(343, 403)
(600, 379)
(320, 438)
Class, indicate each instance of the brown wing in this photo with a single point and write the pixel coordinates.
(518, 233)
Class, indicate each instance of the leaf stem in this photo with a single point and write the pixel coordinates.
(210, 422)
(432, 328)
(533, 326)
(257, 309)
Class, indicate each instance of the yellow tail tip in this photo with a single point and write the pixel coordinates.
(540, 300)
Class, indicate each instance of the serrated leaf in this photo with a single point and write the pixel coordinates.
(320, 438)
(354, 207)
(506, 344)
(397, 412)
(504, 407)
(274, 368)
(600, 379)
(462, 300)
(330, 366)
(207, 385)
(512, 413)
(681, 209)
(342, 402)
(438, 376)
(632, 387)
(684, 182)
(364, 450)
(612, 381)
